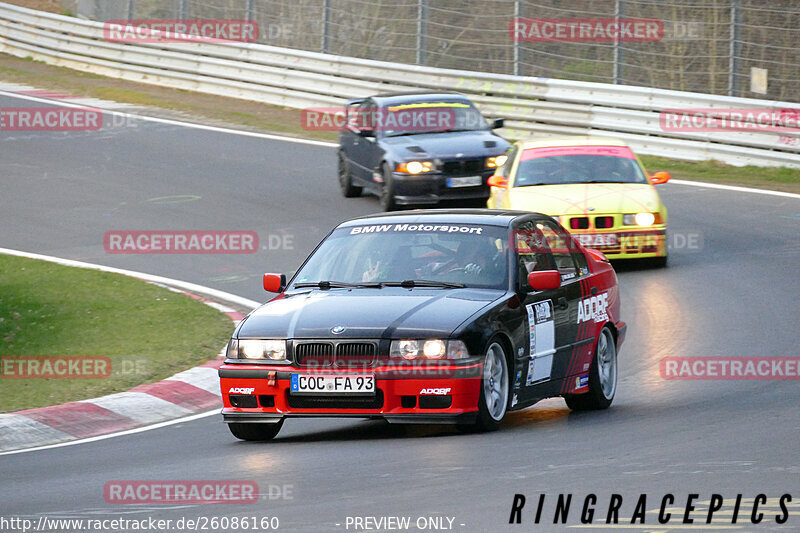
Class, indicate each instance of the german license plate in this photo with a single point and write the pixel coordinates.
(466, 181)
(344, 384)
(598, 240)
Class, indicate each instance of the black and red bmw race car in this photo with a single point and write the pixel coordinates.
(446, 316)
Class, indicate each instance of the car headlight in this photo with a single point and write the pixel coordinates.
(640, 219)
(415, 167)
(496, 161)
(269, 349)
(428, 349)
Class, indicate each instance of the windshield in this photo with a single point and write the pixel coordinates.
(431, 117)
(578, 164)
(372, 254)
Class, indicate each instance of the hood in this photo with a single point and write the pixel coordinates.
(582, 198)
(453, 145)
(367, 313)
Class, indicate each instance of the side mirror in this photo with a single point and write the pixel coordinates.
(498, 123)
(274, 282)
(660, 177)
(498, 181)
(544, 280)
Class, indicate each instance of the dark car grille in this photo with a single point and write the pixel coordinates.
(340, 353)
(336, 402)
(464, 167)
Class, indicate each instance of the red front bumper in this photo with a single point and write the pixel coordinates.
(260, 393)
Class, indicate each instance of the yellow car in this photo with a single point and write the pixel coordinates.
(595, 186)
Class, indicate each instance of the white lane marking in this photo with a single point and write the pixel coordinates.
(118, 434)
(177, 122)
(735, 188)
(192, 287)
(732, 188)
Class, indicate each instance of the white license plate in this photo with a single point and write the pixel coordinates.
(598, 240)
(466, 181)
(346, 384)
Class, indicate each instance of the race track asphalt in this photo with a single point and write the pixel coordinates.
(734, 291)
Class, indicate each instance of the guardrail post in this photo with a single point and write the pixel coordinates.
(184, 10)
(619, 12)
(131, 10)
(422, 29)
(326, 26)
(733, 57)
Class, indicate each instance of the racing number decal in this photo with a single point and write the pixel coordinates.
(542, 329)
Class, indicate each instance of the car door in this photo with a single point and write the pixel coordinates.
(547, 312)
(364, 146)
(575, 337)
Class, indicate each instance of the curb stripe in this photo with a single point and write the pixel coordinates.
(80, 419)
(181, 393)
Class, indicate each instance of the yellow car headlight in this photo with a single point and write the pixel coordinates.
(641, 219)
(415, 167)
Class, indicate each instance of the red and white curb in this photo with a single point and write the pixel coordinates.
(182, 395)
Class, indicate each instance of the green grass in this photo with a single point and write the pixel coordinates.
(148, 332)
(776, 178)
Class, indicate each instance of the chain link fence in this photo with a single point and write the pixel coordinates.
(743, 48)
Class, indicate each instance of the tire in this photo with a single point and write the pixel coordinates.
(346, 179)
(495, 389)
(255, 432)
(602, 377)
(387, 192)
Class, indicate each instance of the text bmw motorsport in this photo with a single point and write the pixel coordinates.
(447, 316)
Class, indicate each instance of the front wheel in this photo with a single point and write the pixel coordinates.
(493, 401)
(346, 179)
(602, 377)
(255, 432)
(387, 192)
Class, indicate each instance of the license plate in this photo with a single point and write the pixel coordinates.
(466, 181)
(598, 240)
(345, 384)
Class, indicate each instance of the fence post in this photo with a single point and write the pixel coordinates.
(184, 10)
(619, 12)
(326, 26)
(422, 30)
(513, 35)
(131, 10)
(251, 9)
(735, 47)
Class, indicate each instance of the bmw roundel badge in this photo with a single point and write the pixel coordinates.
(337, 329)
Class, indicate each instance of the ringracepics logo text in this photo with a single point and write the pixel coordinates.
(666, 509)
(180, 242)
(586, 30)
(180, 31)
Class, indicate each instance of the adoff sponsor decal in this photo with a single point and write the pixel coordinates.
(594, 308)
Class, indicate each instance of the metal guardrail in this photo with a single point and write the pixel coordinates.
(293, 78)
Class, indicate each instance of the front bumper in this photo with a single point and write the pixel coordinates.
(261, 394)
(619, 243)
(433, 188)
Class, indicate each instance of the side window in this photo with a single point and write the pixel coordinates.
(531, 250)
(562, 248)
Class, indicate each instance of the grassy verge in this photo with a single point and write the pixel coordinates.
(254, 116)
(146, 331)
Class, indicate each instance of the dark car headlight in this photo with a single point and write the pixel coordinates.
(415, 167)
(428, 349)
